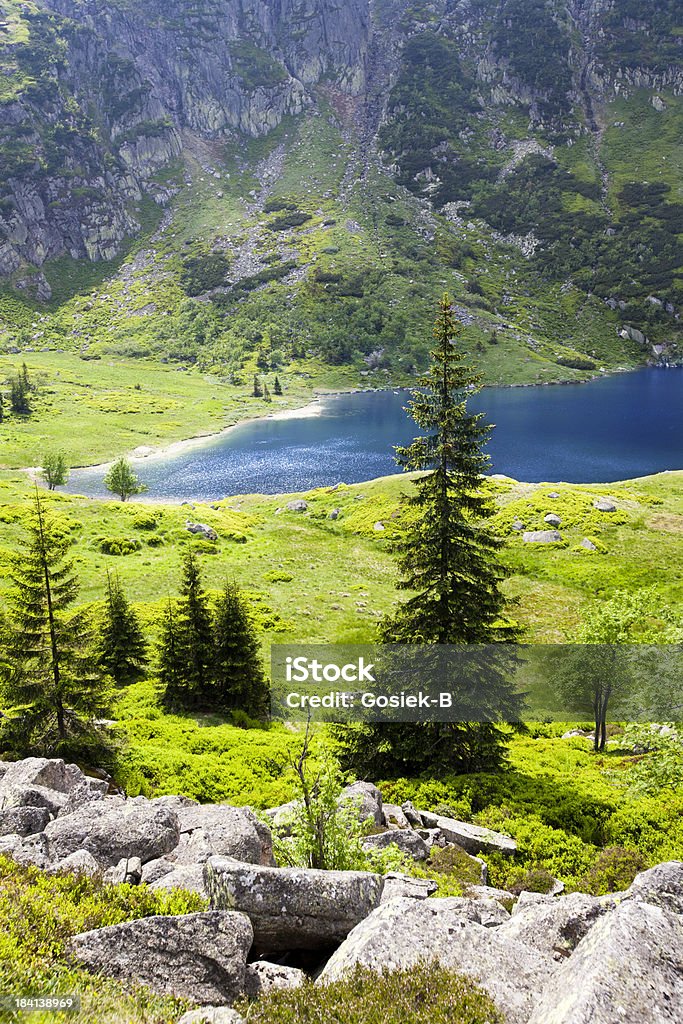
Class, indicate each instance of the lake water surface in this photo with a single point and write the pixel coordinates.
(615, 428)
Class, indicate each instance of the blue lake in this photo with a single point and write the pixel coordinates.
(615, 428)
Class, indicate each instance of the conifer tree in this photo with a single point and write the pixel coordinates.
(171, 662)
(52, 688)
(239, 676)
(258, 390)
(192, 640)
(448, 565)
(266, 393)
(123, 644)
(277, 386)
(19, 396)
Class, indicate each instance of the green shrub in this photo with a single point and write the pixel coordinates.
(118, 545)
(613, 871)
(278, 576)
(41, 912)
(424, 994)
(146, 519)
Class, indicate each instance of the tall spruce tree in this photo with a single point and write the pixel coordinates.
(193, 641)
(239, 677)
(52, 687)
(123, 647)
(448, 565)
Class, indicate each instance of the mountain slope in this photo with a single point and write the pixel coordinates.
(270, 181)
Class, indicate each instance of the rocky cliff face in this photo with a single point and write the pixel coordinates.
(99, 92)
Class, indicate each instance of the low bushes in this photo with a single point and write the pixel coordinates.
(425, 994)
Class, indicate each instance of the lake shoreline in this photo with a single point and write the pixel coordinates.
(143, 453)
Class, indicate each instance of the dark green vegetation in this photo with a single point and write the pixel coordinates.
(420, 995)
(449, 565)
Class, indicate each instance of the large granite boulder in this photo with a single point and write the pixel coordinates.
(394, 816)
(368, 800)
(23, 821)
(462, 934)
(221, 830)
(407, 840)
(396, 884)
(201, 956)
(262, 977)
(472, 838)
(542, 537)
(212, 1015)
(112, 829)
(293, 908)
(662, 886)
(48, 782)
(556, 926)
(629, 967)
(184, 876)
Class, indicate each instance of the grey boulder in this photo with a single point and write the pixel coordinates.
(556, 926)
(552, 519)
(396, 884)
(293, 908)
(542, 537)
(201, 956)
(221, 830)
(185, 876)
(394, 815)
(461, 934)
(114, 829)
(298, 505)
(472, 838)
(212, 1015)
(368, 800)
(629, 967)
(262, 977)
(604, 505)
(407, 841)
(80, 862)
(23, 821)
(662, 886)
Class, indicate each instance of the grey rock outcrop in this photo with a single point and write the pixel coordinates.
(113, 829)
(262, 977)
(661, 886)
(472, 838)
(200, 956)
(461, 934)
(220, 829)
(557, 926)
(212, 1015)
(299, 505)
(629, 967)
(368, 799)
(407, 840)
(293, 908)
(23, 821)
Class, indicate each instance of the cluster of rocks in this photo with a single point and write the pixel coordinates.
(543, 959)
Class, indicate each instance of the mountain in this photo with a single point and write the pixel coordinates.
(228, 181)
